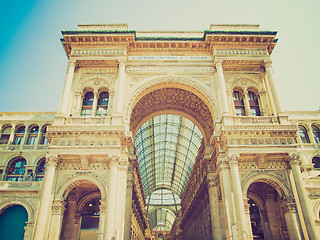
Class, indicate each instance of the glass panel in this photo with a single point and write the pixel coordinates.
(316, 133)
(304, 134)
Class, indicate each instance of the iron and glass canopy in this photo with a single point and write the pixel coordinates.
(167, 146)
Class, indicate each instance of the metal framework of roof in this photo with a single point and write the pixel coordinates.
(167, 146)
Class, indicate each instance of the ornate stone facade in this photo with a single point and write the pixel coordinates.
(255, 175)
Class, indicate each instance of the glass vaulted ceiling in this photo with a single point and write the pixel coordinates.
(167, 146)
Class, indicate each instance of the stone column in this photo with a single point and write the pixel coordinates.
(94, 104)
(273, 214)
(265, 224)
(11, 138)
(78, 99)
(222, 86)
(231, 102)
(127, 223)
(268, 68)
(302, 195)
(58, 208)
(248, 219)
(42, 221)
(290, 214)
(120, 87)
(63, 109)
(121, 197)
(28, 231)
(227, 197)
(111, 199)
(214, 208)
(102, 219)
(68, 228)
(246, 103)
(261, 102)
(243, 229)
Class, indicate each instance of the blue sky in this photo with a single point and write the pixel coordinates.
(33, 63)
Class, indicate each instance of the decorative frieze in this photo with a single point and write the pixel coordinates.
(260, 141)
(240, 51)
(97, 51)
(183, 69)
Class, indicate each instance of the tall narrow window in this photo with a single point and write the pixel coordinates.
(103, 102)
(40, 170)
(87, 104)
(5, 135)
(16, 170)
(303, 134)
(316, 133)
(43, 136)
(238, 103)
(18, 137)
(33, 135)
(254, 104)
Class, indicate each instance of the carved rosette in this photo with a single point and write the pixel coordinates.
(130, 183)
(210, 183)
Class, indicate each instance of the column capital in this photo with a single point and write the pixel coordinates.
(218, 61)
(294, 159)
(52, 160)
(288, 205)
(223, 164)
(267, 63)
(233, 158)
(122, 61)
(72, 63)
(58, 207)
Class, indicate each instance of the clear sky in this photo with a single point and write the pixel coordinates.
(33, 62)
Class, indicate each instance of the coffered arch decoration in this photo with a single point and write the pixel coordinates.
(173, 101)
(166, 96)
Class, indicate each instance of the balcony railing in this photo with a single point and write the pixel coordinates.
(88, 120)
(256, 120)
(23, 185)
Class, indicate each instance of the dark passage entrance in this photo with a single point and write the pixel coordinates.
(12, 222)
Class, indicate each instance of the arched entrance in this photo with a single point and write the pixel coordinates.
(82, 215)
(12, 222)
(171, 127)
(266, 212)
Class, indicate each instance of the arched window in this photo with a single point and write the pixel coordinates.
(254, 104)
(303, 134)
(87, 104)
(40, 170)
(316, 162)
(238, 103)
(103, 102)
(5, 135)
(43, 136)
(316, 133)
(33, 135)
(16, 170)
(18, 137)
